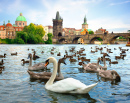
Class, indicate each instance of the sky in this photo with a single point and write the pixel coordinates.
(112, 15)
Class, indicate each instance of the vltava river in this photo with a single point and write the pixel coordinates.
(17, 87)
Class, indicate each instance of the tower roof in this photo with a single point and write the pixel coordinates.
(21, 18)
(85, 20)
(58, 16)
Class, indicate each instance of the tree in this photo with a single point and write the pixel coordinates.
(34, 33)
(91, 32)
(22, 35)
(49, 41)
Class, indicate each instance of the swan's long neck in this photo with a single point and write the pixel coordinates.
(53, 76)
(104, 61)
(98, 65)
(30, 62)
(59, 72)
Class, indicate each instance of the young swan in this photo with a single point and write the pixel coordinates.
(68, 85)
(110, 74)
(47, 75)
(93, 67)
(39, 66)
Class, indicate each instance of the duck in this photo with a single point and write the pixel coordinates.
(3, 56)
(93, 67)
(14, 53)
(59, 54)
(92, 51)
(42, 52)
(35, 56)
(2, 62)
(68, 85)
(80, 63)
(113, 62)
(110, 74)
(2, 67)
(84, 59)
(52, 53)
(24, 61)
(47, 75)
(72, 60)
(39, 66)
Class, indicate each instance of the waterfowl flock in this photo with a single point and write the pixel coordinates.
(65, 85)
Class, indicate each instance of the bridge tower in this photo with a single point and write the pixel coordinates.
(57, 26)
(85, 25)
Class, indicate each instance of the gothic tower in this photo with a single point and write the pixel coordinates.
(85, 25)
(57, 25)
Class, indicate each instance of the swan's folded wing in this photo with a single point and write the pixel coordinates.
(66, 85)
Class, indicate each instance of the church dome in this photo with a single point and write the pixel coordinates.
(8, 24)
(21, 18)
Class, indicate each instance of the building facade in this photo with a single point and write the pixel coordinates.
(9, 30)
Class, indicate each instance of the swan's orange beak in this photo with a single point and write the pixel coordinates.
(46, 64)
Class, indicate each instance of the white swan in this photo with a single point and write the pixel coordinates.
(39, 66)
(68, 85)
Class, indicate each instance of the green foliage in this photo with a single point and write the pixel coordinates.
(22, 35)
(91, 32)
(19, 41)
(121, 37)
(34, 33)
(99, 39)
(49, 41)
(5, 41)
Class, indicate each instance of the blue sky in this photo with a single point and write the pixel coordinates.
(113, 15)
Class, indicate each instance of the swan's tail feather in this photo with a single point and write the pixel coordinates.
(88, 88)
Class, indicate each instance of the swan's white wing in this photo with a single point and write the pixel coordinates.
(70, 85)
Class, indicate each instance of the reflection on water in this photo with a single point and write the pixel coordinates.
(16, 85)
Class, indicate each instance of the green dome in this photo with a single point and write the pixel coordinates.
(21, 18)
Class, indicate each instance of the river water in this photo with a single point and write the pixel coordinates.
(17, 87)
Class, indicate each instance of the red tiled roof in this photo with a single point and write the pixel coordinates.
(2, 26)
(8, 24)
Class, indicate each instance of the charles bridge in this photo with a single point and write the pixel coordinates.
(90, 38)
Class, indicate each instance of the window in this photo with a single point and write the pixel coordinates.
(8, 33)
(12, 33)
(23, 23)
(19, 23)
(0, 34)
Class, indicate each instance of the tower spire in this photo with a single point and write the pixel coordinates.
(57, 15)
(85, 20)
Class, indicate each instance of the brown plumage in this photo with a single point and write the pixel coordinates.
(47, 75)
(2, 62)
(3, 56)
(14, 53)
(24, 61)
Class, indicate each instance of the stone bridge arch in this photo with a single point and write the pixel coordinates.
(113, 39)
(93, 39)
(62, 41)
(75, 40)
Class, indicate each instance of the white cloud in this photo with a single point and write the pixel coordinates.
(111, 24)
(112, 4)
